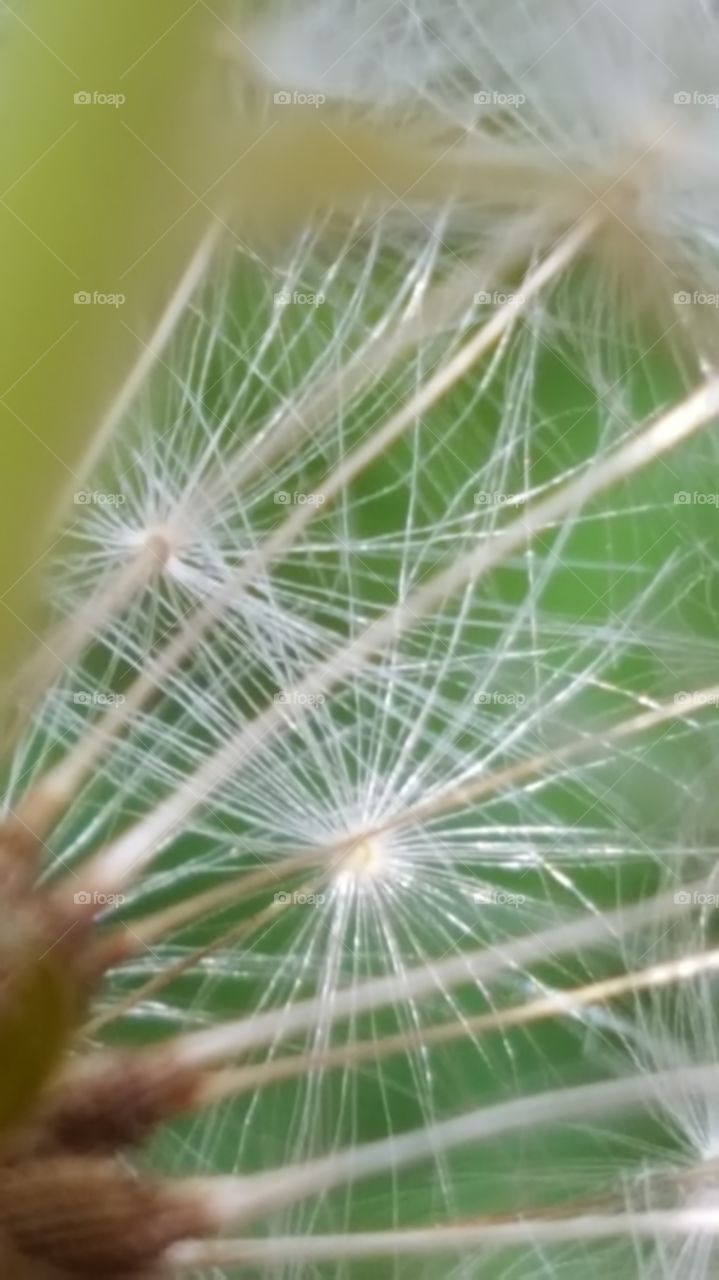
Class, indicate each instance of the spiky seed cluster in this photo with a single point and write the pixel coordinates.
(69, 1207)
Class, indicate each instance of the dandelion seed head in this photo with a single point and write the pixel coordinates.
(374, 656)
(367, 860)
(160, 543)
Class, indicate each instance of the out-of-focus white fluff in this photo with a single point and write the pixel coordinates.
(560, 104)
